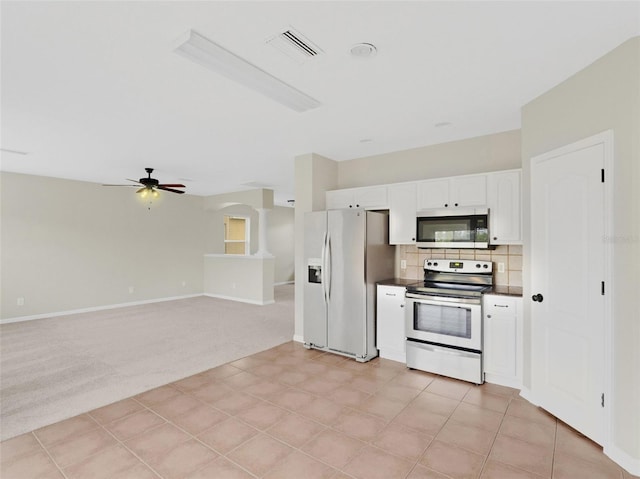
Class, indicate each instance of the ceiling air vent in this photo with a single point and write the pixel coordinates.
(295, 45)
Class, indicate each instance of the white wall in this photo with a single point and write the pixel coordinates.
(605, 95)
(70, 245)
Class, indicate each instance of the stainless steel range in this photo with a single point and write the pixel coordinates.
(444, 318)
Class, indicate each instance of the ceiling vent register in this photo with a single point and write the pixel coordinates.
(295, 45)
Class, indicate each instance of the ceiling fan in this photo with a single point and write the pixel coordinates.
(150, 186)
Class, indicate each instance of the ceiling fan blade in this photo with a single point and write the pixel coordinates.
(173, 185)
(120, 185)
(135, 181)
(141, 189)
(161, 187)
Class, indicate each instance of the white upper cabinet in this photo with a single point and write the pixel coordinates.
(370, 197)
(402, 213)
(456, 192)
(504, 207)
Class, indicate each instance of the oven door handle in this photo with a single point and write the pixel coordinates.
(441, 301)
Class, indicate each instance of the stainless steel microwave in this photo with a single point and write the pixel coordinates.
(460, 228)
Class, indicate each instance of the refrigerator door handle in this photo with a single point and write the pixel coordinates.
(323, 261)
(327, 268)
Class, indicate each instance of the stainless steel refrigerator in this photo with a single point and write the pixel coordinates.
(346, 253)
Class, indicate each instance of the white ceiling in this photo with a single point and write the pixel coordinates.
(93, 91)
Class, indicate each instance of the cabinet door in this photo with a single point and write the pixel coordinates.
(390, 336)
(501, 338)
(374, 197)
(433, 194)
(468, 191)
(504, 207)
(402, 214)
(371, 197)
(339, 199)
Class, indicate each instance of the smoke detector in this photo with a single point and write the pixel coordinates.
(295, 45)
(363, 50)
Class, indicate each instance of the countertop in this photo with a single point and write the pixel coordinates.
(402, 282)
(507, 290)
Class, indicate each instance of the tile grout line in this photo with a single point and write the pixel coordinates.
(46, 451)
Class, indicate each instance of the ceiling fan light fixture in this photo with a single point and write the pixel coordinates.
(209, 54)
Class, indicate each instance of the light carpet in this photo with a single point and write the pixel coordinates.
(52, 369)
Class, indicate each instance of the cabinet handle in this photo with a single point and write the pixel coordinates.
(488, 316)
(402, 305)
(390, 294)
(501, 305)
(357, 206)
(456, 204)
(446, 205)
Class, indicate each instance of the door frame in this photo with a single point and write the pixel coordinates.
(606, 139)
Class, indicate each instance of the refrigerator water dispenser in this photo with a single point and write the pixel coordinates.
(315, 273)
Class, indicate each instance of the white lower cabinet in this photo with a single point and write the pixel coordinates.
(502, 349)
(390, 336)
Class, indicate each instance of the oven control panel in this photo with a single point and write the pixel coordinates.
(458, 266)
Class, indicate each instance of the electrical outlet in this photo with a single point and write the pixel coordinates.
(20, 301)
(500, 267)
(131, 289)
(403, 264)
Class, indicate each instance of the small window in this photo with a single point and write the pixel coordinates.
(236, 235)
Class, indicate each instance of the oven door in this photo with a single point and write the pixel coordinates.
(442, 320)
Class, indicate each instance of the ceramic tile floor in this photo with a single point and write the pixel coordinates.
(293, 413)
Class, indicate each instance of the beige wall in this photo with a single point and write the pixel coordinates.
(70, 245)
(240, 278)
(605, 95)
(215, 227)
(500, 151)
(282, 242)
(280, 226)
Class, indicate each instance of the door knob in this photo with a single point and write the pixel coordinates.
(537, 297)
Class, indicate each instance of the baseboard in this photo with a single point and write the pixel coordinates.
(525, 393)
(283, 283)
(503, 380)
(393, 355)
(298, 339)
(18, 319)
(241, 300)
(623, 459)
(629, 463)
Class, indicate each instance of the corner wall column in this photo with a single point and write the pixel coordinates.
(263, 249)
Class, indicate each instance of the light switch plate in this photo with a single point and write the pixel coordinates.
(403, 264)
(500, 267)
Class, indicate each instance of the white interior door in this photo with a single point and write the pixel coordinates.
(567, 273)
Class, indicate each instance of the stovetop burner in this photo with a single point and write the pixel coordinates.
(457, 279)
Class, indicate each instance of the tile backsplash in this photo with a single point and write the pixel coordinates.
(510, 255)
